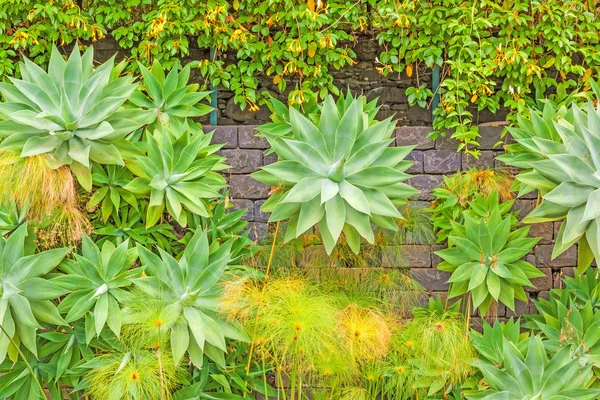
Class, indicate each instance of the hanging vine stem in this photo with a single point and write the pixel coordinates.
(268, 270)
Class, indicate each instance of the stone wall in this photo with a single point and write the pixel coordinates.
(361, 78)
(246, 153)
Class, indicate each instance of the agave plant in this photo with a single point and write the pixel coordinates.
(584, 288)
(25, 295)
(470, 190)
(190, 289)
(486, 261)
(530, 375)
(169, 99)
(566, 324)
(110, 181)
(179, 174)
(129, 224)
(96, 279)
(11, 217)
(72, 112)
(490, 343)
(560, 153)
(337, 172)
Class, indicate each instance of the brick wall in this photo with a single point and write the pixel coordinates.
(246, 153)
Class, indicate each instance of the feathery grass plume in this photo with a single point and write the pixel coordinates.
(146, 321)
(430, 353)
(292, 325)
(134, 375)
(356, 393)
(417, 227)
(365, 332)
(49, 194)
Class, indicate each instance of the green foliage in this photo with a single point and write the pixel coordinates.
(109, 182)
(190, 289)
(490, 55)
(490, 343)
(564, 323)
(338, 172)
(71, 112)
(486, 261)
(169, 99)
(179, 174)
(97, 280)
(529, 374)
(561, 159)
(25, 301)
(474, 191)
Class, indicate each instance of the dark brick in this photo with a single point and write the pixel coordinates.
(543, 257)
(260, 216)
(489, 137)
(446, 142)
(244, 187)
(226, 134)
(269, 158)
(417, 167)
(542, 283)
(431, 279)
(441, 161)
(524, 207)
(247, 138)
(485, 160)
(243, 161)
(543, 231)
(435, 260)
(258, 231)
(425, 183)
(417, 256)
(520, 308)
(247, 204)
(414, 135)
(559, 275)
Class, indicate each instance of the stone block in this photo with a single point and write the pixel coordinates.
(417, 157)
(485, 160)
(543, 257)
(258, 231)
(244, 187)
(441, 161)
(489, 137)
(260, 216)
(425, 183)
(247, 138)
(414, 135)
(430, 278)
(269, 158)
(226, 135)
(417, 256)
(544, 231)
(541, 283)
(243, 161)
(238, 204)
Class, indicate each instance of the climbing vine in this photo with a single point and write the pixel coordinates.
(491, 54)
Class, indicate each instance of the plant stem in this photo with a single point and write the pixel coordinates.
(262, 292)
(163, 394)
(33, 375)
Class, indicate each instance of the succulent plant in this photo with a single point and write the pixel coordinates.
(490, 343)
(25, 295)
(564, 323)
(584, 288)
(72, 112)
(96, 280)
(486, 261)
(338, 172)
(469, 190)
(560, 153)
(190, 289)
(169, 99)
(530, 375)
(110, 181)
(179, 174)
